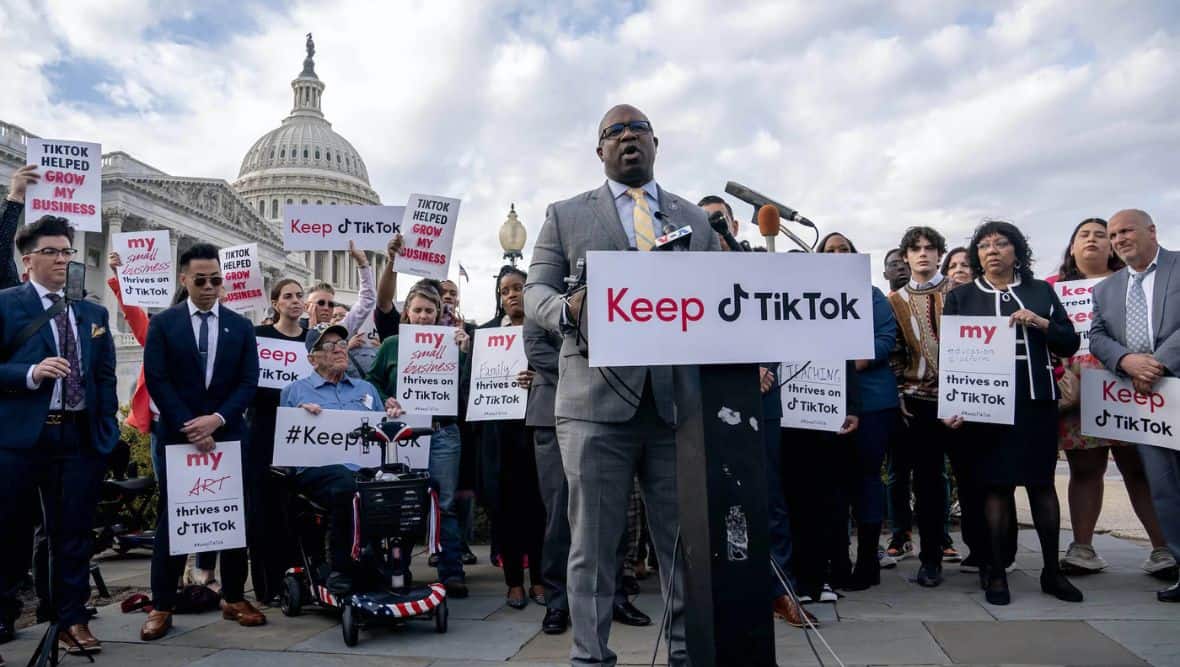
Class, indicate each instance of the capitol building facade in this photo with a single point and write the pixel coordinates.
(303, 161)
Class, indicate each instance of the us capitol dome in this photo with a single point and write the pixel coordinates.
(304, 161)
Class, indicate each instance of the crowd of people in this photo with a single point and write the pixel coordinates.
(581, 493)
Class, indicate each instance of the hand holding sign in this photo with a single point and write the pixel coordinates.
(1142, 368)
(21, 179)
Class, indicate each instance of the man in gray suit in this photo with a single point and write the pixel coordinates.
(1135, 333)
(611, 422)
(543, 348)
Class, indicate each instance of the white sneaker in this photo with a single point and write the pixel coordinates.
(1082, 559)
(828, 595)
(1159, 561)
(884, 560)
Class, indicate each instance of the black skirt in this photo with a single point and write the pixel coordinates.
(1024, 454)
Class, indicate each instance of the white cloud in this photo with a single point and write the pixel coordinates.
(867, 117)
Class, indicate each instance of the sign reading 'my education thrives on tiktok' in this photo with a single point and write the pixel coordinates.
(1111, 408)
(653, 308)
(70, 185)
(977, 369)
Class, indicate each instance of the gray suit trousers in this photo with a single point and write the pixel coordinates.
(601, 460)
(1162, 466)
(555, 494)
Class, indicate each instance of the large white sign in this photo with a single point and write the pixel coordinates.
(206, 507)
(281, 362)
(1078, 298)
(147, 276)
(243, 278)
(670, 308)
(325, 227)
(977, 369)
(497, 356)
(429, 232)
(427, 370)
(1111, 408)
(306, 440)
(813, 394)
(70, 185)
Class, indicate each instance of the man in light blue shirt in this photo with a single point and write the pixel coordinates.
(332, 486)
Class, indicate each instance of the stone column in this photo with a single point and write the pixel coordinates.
(113, 223)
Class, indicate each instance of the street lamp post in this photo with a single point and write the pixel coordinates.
(513, 236)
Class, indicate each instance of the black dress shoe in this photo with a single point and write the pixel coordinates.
(628, 614)
(556, 622)
(1169, 594)
(8, 630)
(1059, 587)
(468, 558)
(997, 590)
(456, 588)
(929, 576)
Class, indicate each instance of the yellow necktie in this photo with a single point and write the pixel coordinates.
(645, 231)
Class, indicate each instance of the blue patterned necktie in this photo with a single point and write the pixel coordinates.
(1137, 326)
(73, 392)
(203, 341)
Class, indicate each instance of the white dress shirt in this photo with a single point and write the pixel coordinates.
(46, 303)
(213, 329)
(625, 205)
(1148, 291)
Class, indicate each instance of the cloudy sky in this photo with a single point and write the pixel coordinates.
(865, 116)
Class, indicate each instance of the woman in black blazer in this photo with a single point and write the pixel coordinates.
(1024, 454)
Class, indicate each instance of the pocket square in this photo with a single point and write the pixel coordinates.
(96, 331)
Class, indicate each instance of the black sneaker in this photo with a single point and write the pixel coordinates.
(929, 576)
(433, 560)
(468, 558)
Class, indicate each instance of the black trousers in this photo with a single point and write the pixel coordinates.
(817, 472)
(62, 459)
(166, 570)
(921, 447)
(332, 487)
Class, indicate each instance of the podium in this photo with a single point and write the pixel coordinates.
(721, 483)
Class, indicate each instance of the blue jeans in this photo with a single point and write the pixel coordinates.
(445, 449)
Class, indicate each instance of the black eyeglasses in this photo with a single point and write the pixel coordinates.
(200, 281)
(615, 131)
(55, 252)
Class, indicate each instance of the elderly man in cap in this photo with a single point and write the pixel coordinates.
(332, 486)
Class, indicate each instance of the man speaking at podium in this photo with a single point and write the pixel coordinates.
(612, 423)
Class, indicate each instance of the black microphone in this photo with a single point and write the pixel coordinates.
(758, 201)
(720, 225)
(674, 238)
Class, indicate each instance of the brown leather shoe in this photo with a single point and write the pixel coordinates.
(157, 625)
(786, 608)
(77, 639)
(243, 612)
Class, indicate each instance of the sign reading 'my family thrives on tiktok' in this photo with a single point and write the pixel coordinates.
(70, 185)
(497, 357)
(977, 369)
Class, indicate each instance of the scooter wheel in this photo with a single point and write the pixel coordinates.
(291, 596)
(440, 617)
(348, 623)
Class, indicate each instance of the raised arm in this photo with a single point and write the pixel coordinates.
(359, 314)
(387, 285)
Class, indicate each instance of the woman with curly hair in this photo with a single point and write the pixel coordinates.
(1024, 453)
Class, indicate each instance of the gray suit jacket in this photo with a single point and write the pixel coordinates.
(590, 221)
(1108, 330)
(542, 348)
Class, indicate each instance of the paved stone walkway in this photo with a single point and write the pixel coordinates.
(897, 623)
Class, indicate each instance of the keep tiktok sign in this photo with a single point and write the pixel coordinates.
(650, 308)
(977, 369)
(1111, 408)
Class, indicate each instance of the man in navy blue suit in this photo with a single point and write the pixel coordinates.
(58, 411)
(201, 366)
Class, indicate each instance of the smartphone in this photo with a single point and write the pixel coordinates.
(75, 281)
